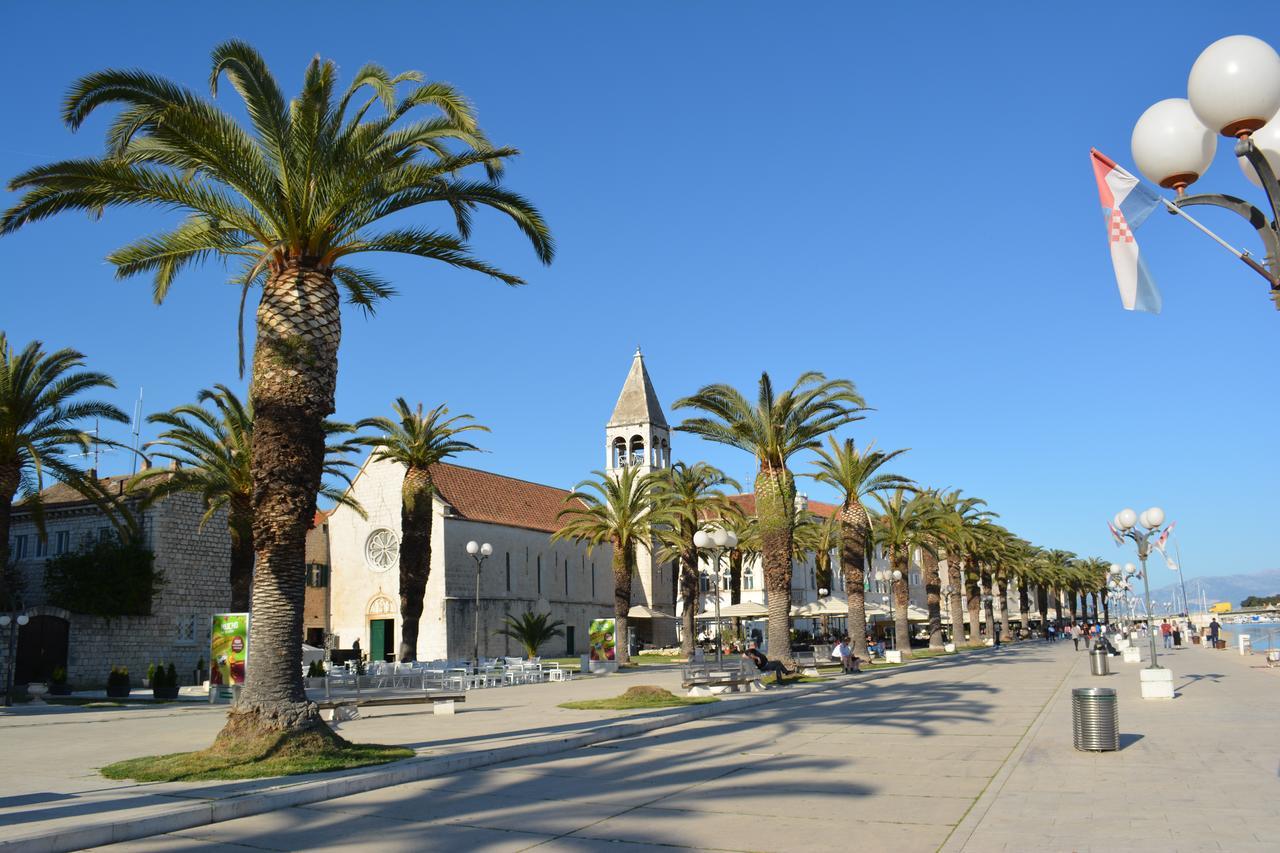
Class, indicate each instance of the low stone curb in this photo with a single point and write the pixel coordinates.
(96, 834)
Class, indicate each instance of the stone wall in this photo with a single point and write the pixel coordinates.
(196, 563)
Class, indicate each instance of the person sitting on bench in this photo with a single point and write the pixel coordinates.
(765, 665)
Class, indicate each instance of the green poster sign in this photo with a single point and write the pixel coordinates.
(228, 652)
(603, 639)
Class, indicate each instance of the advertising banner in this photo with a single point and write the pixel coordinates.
(228, 652)
(603, 639)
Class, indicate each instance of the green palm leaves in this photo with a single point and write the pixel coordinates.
(418, 439)
(306, 179)
(531, 630)
(40, 416)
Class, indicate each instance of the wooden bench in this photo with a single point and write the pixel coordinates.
(809, 664)
(342, 710)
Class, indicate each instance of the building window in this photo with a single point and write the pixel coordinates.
(42, 546)
(593, 581)
(104, 534)
(317, 575)
(748, 580)
(186, 629)
(508, 571)
(61, 542)
(19, 547)
(382, 550)
(539, 574)
(566, 577)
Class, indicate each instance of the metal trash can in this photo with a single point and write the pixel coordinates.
(1098, 663)
(1095, 719)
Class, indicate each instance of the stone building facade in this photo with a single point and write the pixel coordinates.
(195, 560)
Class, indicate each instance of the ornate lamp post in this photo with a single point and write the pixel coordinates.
(1234, 90)
(717, 541)
(479, 553)
(1157, 682)
(891, 577)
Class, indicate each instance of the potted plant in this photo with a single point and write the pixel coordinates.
(531, 631)
(164, 682)
(316, 674)
(118, 684)
(58, 685)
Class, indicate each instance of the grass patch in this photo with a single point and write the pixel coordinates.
(271, 756)
(931, 653)
(805, 679)
(639, 698)
(90, 702)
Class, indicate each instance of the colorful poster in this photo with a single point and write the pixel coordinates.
(603, 639)
(228, 652)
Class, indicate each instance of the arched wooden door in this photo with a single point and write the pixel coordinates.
(42, 648)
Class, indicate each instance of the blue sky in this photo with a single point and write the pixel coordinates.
(899, 196)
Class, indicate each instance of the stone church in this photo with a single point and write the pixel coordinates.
(526, 572)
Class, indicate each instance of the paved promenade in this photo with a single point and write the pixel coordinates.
(965, 753)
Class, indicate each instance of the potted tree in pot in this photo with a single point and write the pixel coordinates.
(531, 631)
(164, 682)
(58, 685)
(118, 683)
(315, 674)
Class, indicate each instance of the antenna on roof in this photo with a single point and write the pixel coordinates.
(137, 428)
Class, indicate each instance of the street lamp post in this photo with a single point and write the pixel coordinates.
(11, 621)
(717, 541)
(892, 577)
(1157, 682)
(1233, 90)
(479, 553)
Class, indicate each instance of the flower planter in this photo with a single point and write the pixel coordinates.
(118, 692)
(314, 683)
(165, 692)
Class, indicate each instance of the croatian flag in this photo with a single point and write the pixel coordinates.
(1126, 204)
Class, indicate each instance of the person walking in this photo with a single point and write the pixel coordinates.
(1075, 636)
(1167, 632)
(1177, 634)
(1214, 627)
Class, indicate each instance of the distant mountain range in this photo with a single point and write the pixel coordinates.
(1232, 588)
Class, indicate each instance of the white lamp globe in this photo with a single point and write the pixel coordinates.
(4, 621)
(1116, 568)
(897, 575)
(1130, 568)
(1234, 86)
(1126, 518)
(486, 550)
(701, 539)
(1170, 145)
(1267, 140)
(23, 618)
(1155, 517)
(473, 547)
(720, 537)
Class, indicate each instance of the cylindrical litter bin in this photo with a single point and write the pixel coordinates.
(1095, 719)
(1098, 662)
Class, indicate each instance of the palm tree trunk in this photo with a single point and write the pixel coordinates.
(854, 528)
(974, 594)
(989, 613)
(1024, 605)
(241, 558)
(1042, 604)
(417, 512)
(689, 595)
(901, 599)
(735, 577)
(623, 569)
(775, 511)
(9, 479)
(1106, 607)
(954, 575)
(295, 366)
(1071, 605)
(1002, 601)
(933, 595)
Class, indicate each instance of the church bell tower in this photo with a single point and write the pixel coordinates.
(637, 436)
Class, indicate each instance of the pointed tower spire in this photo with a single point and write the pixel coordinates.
(638, 402)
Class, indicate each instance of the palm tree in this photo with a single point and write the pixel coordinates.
(211, 456)
(531, 631)
(776, 428)
(294, 196)
(39, 417)
(622, 512)
(856, 475)
(416, 440)
(746, 528)
(962, 526)
(1059, 570)
(907, 521)
(693, 496)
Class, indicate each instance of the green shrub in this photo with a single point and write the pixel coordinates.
(119, 677)
(59, 675)
(151, 674)
(316, 669)
(108, 578)
(171, 675)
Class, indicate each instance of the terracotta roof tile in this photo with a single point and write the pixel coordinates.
(748, 504)
(497, 499)
(60, 494)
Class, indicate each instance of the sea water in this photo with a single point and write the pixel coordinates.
(1263, 635)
